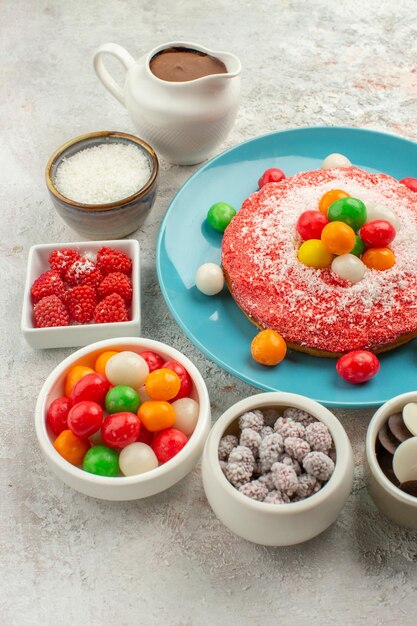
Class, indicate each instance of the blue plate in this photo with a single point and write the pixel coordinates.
(216, 325)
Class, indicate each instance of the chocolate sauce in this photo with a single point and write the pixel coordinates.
(179, 65)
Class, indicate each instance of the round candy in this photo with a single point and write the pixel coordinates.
(378, 233)
(71, 447)
(272, 175)
(137, 458)
(185, 378)
(220, 215)
(163, 384)
(410, 182)
(359, 247)
(74, 375)
(156, 415)
(122, 398)
(154, 361)
(310, 224)
(329, 197)
(348, 267)
(143, 394)
(91, 387)
(120, 429)
(145, 435)
(410, 417)
(357, 366)
(57, 415)
(101, 361)
(209, 279)
(381, 212)
(313, 254)
(85, 418)
(335, 160)
(102, 461)
(378, 258)
(351, 211)
(338, 238)
(186, 411)
(127, 368)
(404, 462)
(268, 347)
(168, 443)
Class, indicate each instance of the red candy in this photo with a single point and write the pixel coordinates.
(154, 361)
(358, 366)
(310, 224)
(85, 418)
(57, 415)
(145, 436)
(410, 182)
(92, 387)
(186, 383)
(378, 233)
(120, 429)
(273, 175)
(167, 443)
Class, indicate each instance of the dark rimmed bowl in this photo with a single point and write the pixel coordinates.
(103, 221)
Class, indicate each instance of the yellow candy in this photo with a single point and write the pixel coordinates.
(74, 375)
(313, 254)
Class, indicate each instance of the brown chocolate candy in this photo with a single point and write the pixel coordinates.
(398, 428)
(387, 440)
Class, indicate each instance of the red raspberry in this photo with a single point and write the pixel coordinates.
(49, 283)
(111, 309)
(60, 260)
(81, 302)
(50, 311)
(83, 272)
(109, 260)
(116, 282)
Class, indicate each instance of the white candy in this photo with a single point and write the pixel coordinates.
(209, 279)
(335, 160)
(127, 368)
(137, 458)
(410, 417)
(404, 462)
(186, 412)
(143, 394)
(349, 267)
(381, 212)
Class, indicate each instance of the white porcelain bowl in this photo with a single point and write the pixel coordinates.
(398, 506)
(123, 487)
(277, 524)
(78, 334)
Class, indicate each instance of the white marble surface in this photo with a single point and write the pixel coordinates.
(167, 561)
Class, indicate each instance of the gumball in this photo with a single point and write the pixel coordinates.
(410, 182)
(102, 461)
(357, 366)
(335, 160)
(145, 435)
(268, 347)
(57, 415)
(168, 443)
(338, 238)
(137, 458)
(272, 175)
(71, 447)
(310, 224)
(91, 387)
(220, 215)
(163, 384)
(359, 247)
(122, 398)
(120, 429)
(349, 267)
(209, 279)
(143, 394)
(185, 378)
(85, 418)
(329, 197)
(74, 375)
(154, 361)
(351, 211)
(186, 411)
(378, 233)
(378, 258)
(156, 415)
(101, 361)
(381, 212)
(127, 368)
(313, 254)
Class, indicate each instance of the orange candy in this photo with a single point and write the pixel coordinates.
(268, 347)
(156, 415)
(338, 238)
(71, 447)
(162, 384)
(74, 375)
(330, 197)
(378, 258)
(100, 364)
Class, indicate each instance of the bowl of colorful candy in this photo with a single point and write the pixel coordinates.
(277, 468)
(123, 419)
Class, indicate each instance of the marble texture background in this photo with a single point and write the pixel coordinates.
(167, 561)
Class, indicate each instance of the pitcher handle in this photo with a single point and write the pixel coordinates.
(104, 75)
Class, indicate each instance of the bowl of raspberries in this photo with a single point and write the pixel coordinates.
(81, 292)
(277, 468)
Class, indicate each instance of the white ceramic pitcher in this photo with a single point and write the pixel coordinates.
(183, 121)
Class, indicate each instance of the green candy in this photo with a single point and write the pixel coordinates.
(220, 215)
(122, 398)
(359, 247)
(101, 460)
(351, 211)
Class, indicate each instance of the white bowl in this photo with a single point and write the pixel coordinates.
(122, 487)
(397, 505)
(78, 334)
(277, 524)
